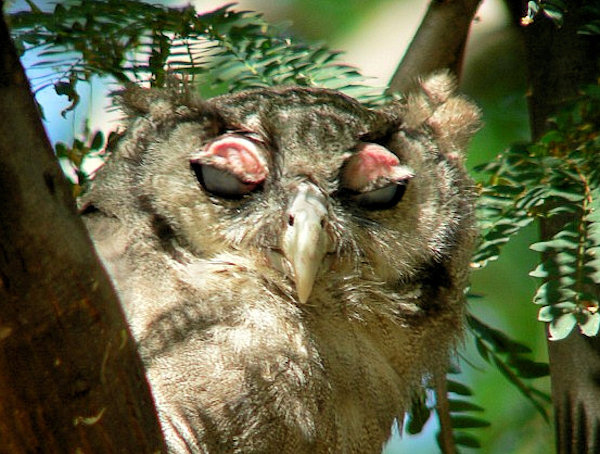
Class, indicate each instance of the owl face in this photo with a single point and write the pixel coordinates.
(307, 182)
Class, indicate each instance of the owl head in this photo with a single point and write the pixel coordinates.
(307, 182)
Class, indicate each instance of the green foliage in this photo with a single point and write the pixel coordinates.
(555, 10)
(223, 50)
(463, 413)
(420, 413)
(556, 181)
(74, 158)
(510, 357)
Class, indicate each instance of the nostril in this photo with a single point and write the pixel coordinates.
(291, 220)
(322, 223)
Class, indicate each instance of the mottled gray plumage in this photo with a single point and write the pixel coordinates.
(291, 263)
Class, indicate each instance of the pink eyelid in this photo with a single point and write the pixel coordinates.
(372, 163)
(236, 155)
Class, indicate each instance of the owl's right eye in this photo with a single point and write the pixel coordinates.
(220, 182)
(230, 167)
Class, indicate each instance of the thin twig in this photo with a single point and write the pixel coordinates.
(443, 410)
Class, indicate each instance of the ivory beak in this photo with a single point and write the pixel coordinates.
(305, 241)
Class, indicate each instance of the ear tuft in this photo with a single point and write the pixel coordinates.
(137, 101)
(133, 99)
(454, 123)
(163, 104)
(438, 87)
(451, 118)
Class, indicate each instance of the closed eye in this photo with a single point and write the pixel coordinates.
(382, 198)
(221, 182)
(373, 177)
(231, 166)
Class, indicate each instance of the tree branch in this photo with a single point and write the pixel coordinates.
(439, 43)
(70, 377)
(447, 444)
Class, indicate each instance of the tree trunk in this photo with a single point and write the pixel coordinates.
(560, 61)
(70, 378)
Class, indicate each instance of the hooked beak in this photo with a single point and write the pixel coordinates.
(305, 240)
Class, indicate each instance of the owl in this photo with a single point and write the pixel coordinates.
(291, 263)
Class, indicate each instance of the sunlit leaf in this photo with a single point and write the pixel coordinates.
(591, 325)
(561, 326)
(554, 245)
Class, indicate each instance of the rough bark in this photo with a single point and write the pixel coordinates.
(439, 43)
(70, 377)
(560, 61)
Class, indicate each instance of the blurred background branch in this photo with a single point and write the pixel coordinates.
(439, 43)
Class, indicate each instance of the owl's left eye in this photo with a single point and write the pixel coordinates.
(374, 178)
(382, 198)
